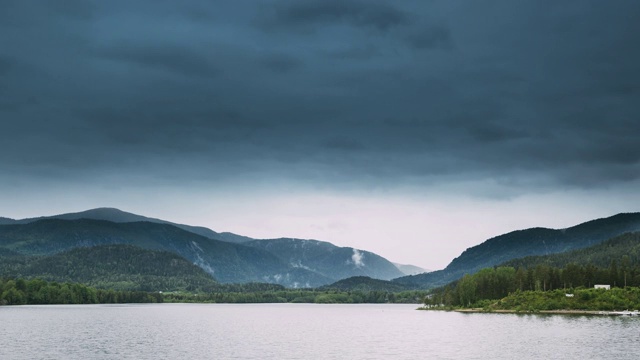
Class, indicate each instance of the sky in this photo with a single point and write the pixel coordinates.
(413, 129)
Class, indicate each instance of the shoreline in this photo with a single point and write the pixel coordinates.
(549, 312)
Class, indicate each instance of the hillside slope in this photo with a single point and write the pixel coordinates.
(517, 244)
(307, 263)
(410, 269)
(618, 250)
(119, 216)
(365, 283)
(327, 259)
(226, 262)
(117, 267)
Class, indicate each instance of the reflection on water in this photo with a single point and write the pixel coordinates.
(305, 331)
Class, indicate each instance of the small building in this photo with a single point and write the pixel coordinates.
(606, 287)
(568, 295)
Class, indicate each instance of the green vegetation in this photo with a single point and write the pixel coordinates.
(123, 273)
(624, 249)
(494, 284)
(328, 260)
(231, 263)
(537, 285)
(582, 299)
(116, 267)
(289, 262)
(365, 283)
(301, 296)
(529, 242)
(37, 291)
(173, 265)
(579, 299)
(348, 291)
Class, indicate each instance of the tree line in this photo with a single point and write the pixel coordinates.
(117, 267)
(497, 283)
(615, 262)
(580, 299)
(301, 296)
(38, 291)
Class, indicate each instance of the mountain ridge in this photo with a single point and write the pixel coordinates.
(227, 262)
(328, 259)
(526, 242)
(118, 216)
(409, 269)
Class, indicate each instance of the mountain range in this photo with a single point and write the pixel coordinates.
(227, 257)
(27, 244)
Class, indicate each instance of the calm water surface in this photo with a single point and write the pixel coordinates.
(305, 331)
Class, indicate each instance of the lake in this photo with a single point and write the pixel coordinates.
(305, 331)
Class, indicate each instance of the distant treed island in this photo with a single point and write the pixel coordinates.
(106, 255)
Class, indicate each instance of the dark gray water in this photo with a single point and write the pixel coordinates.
(305, 331)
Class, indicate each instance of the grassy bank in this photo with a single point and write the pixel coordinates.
(584, 301)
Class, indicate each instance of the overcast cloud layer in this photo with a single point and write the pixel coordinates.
(492, 99)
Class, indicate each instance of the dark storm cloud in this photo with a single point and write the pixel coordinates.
(363, 92)
(374, 14)
(280, 62)
(76, 9)
(430, 37)
(163, 56)
(5, 65)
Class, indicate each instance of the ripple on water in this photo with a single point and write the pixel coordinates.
(304, 331)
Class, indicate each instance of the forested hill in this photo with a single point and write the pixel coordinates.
(615, 262)
(227, 262)
(285, 261)
(116, 267)
(327, 259)
(517, 244)
(623, 250)
(365, 283)
(6, 221)
(289, 262)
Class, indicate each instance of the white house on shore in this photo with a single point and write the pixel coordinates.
(606, 287)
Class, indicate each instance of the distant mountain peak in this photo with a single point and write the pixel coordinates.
(106, 213)
(408, 269)
(103, 208)
(119, 216)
